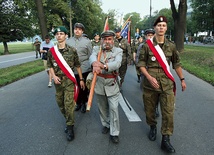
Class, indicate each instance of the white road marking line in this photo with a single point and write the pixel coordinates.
(131, 115)
(17, 59)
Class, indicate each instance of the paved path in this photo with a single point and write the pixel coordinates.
(31, 123)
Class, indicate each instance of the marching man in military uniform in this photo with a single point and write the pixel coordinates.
(125, 46)
(159, 85)
(106, 88)
(96, 40)
(62, 59)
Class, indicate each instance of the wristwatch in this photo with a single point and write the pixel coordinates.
(105, 67)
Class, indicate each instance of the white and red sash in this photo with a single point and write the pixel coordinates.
(65, 68)
(160, 56)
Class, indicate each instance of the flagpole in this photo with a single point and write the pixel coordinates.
(93, 83)
(126, 21)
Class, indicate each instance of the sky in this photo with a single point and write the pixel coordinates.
(139, 6)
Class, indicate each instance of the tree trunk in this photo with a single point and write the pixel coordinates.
(42, 18)
(6, 51)
(179, 18)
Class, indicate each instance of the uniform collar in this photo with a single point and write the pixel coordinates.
(166, 42)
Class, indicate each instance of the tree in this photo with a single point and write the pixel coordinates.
(90, 14)
(179, 17)
(42, 18)
(135, 18)
(15, 23)
(203, 14)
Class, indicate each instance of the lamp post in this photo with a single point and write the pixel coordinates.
(150, 13)
(70, 19)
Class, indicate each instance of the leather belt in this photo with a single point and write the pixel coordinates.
(156, 70)
(107, 76)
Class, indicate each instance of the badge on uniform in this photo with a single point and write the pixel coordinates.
(153, 58)
(55, 64)
(119, 44)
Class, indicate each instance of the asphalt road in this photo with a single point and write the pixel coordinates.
(15, 59)
(31, 123)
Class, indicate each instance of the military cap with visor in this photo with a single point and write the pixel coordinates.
(60, 29)
(107, 33)
(117, 29)
(79, 25)
(160, 19)
(147, 31)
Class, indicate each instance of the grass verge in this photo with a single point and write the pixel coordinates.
(17, 47)
(199, 61)
(14, 73)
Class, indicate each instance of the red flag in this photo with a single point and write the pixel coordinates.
(129, 34)
(106, 27)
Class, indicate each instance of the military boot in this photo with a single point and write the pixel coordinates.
(165, 144)
(152, 132)
(70, 133)
(138, 78)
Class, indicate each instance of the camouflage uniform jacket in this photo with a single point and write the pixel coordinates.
(70, 56)
(125, 46)
(94, 43)
(148, 60)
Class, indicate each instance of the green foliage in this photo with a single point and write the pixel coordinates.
(90, 14)
(203, 14)
(15, 22)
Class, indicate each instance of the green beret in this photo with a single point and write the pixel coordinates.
(107, 33)
(79, 25)
(60, 29)
(96, 34)
(160, 19)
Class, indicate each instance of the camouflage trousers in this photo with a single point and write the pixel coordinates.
(122, 70)
(167, 102)
(65, 99)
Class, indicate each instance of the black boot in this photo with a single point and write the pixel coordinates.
(83, 108)
(138, 78)
(152, 133)
(165, 144)
(78, 107)
(156, 111)
(70, 133)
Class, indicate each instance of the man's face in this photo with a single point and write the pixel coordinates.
(60, 37)
(108, 43)
(97, 37)
(149, 35)
(78, 32)
(117, 34)
(160, 28)
(47, 41)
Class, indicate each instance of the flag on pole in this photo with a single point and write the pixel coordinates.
(125, 32)
(106, 26)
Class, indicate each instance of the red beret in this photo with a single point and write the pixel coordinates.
(160, 19)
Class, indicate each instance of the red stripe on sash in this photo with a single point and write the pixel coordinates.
(66, 71)
(164, 65)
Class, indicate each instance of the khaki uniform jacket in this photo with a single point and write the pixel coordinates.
(84, 49)
(107, 86)
(148, 60)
